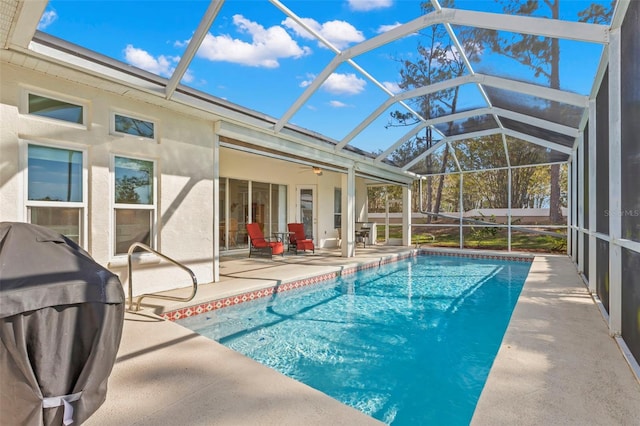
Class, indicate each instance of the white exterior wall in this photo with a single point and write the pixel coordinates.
(183, 155)
(9, 166)
(361, 200)
(184, 158)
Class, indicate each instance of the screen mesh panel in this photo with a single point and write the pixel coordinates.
(485, 190)
(440, 194)
(412, 148)
(585, 177)
(556, 112)
(631, 300)
(467, 125)
(573, 250)
(585, 255)
(522, 153)
(630, 100)
(491, 238)
(444, 102)
(440, 161)
(575, 246)
(538, 132)
(526, 196)
(602, 157)
(481, 153)
(602, 274)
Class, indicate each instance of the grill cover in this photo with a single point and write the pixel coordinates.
(61, 318)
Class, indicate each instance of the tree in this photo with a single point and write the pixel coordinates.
(438, 60)
(126, 189)
(540, 54)
(133, 181)
(378, 195)
(134, 126)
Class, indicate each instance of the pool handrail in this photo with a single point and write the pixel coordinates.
(154, 295)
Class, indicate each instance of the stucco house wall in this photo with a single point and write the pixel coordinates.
(183, 153)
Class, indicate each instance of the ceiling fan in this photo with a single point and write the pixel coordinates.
(315, 169)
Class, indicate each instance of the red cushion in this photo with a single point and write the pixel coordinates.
(277, 247)
(260, 243)
(305, 244)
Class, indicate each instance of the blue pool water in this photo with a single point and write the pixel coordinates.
(409, 343)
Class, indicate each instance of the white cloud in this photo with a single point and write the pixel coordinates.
(473, 47)
(266, 46)
(344, 84)
(308, 80)
(338, 104)
(366, 5)
(384, 28)
(188, 77)
(48, 18)
(162, 65)
(338, 84)
(392, 87)
(339, 33)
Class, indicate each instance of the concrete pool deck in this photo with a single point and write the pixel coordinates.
(556, 365)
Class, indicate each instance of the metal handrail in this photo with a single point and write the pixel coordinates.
(157, 296)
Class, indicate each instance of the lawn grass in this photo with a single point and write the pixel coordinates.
(448, 237)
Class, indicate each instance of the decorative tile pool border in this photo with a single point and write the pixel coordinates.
(510, 257)
(201, 308)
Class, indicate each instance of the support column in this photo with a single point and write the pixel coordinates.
(406, 215)
(349, 213)
(509, 177)
(570, 205)
(573, 196)
(216, 205)
(615, 184)
(386, 215)
(591, 175)
(580, 188)
(461, 209)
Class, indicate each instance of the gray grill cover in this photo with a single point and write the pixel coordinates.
(61, 318)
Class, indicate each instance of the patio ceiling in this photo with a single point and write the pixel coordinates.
(342, 86)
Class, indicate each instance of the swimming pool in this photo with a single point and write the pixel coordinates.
(407, 343)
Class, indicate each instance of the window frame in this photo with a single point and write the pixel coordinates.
(133, 116)
(153, 243)
(25, 110)
(337, 213)
(27, 204)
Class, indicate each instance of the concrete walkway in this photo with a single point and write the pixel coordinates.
(557, 364)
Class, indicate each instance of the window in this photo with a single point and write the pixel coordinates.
(260, 211)
(337, 208)
(55, 195)
(268, 207)
(133, 126)
(56, 109)
(134, 203)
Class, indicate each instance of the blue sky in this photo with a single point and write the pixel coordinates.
(255, 56)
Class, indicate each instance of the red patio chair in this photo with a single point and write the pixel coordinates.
(259, 245)
(298, 240)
